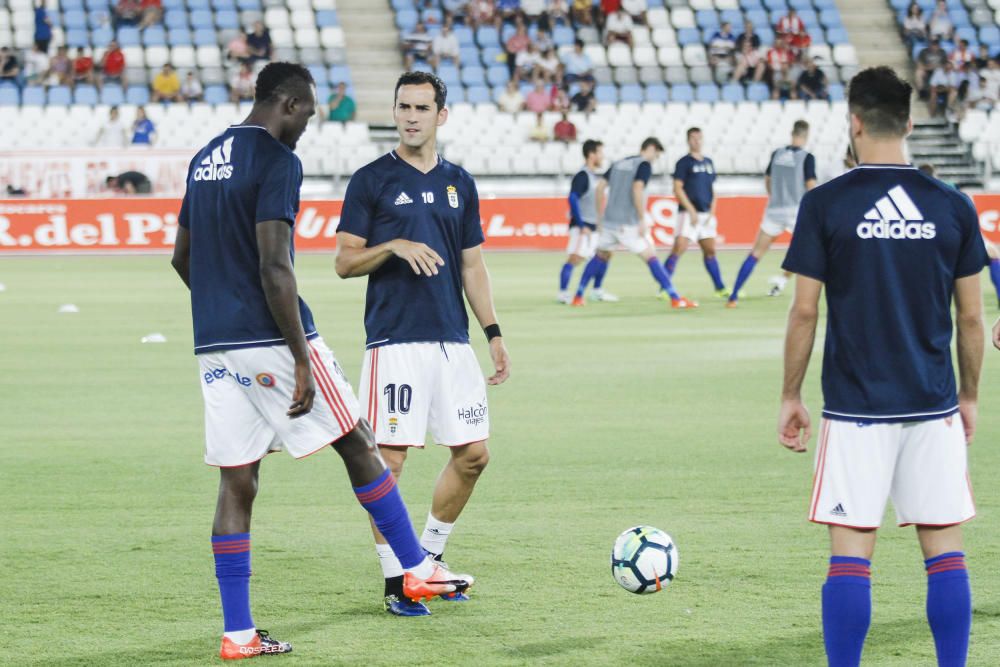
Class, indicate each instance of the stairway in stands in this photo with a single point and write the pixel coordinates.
(936, 141)
(373, 55)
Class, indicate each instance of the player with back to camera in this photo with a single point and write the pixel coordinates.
(892, 248)
(623, 221)
(583, 207)
(260, 356)
(411, 223)
(791, 173)
(693, 177)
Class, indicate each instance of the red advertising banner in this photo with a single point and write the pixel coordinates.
(143, 225)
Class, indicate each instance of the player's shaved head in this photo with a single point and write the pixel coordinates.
(881, 101)
(284, 101)
(422, 79)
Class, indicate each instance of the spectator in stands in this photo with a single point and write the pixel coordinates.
(143, 130)
(482, 12)
(748, 35)
(238, 49)
(914, 26)
(605, 9)
(113, 65)
(43, 27)
(564, 130)
(558, 11)
(454, 9)
(750, 64)
(10, 66)
(539, 132)
(578, 65)
(533, 11)
(113, 133)
(558, 94)
(526, 61)
(511, 101)
(582, 12)
(636, 9)
(444, 46)
(722, 47)
(241, 84)
(341, 107)
(812, 83)
(618, 28)
(167, 85)
(779, 65)
(259, 42)
(130, 183)
(944, 84)
(962, 54)
(416, 45)
(982, 97)
(539, 99)
(928, 60)
(992, 76)
(543, 40)
(83, 67)
(191, 89)
(547, 67)
(126, 12)
(60, 68)
(509, 10)
(940, 26)
(794, 32)
(152, 13)
(36, 66)
(519, 41)
(983, 59)
(585, 99)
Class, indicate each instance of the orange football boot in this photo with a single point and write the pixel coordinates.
(441, 582)
(261, 644)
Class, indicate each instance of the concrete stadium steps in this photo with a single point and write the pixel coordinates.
(937, 141)
(373, 55)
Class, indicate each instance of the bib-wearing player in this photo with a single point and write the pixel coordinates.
(693, 176)
(623, 221)
(893, 248)
(411, 224)
(260, 356)
(583, 207)
(790, 174)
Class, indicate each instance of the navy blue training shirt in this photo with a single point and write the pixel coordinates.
(698, 177)
(242, 177)
(390, 199)
(888, 242)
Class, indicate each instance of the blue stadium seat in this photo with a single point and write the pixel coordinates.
(681, 92)
(206, 37)
(758, 92)
(154, 35)
(469, 54)
(449, 74)
(466, 36)
(137, 95)
(747, 5)
(732, 92)
(707, 19)
(776, 5)
(506, 31)
(990, 34)
(199, 4)
(809, 18)
(800, 5)
(830, 18)
(112, 95)
(60, 96)
(227, 19)
(179, 37)
(75, 19)
(734, 17)
(175, 18)
(497, 75)
(820, 5)
(968, 33)
(422, 66)
(657, 92)
(759, 18)
(563, 35)
(401, 5)
(327, 18)
(202, 18)
(687, 36)
(102, 36)
(10, 96)
(473, 75)
(487, 36)
(96, 4)
(128, 36)
(631, 92)
(98, 17)
(85, 95)
(456, 95)
(707, 92)
(339, 73)
(33, 96)
(68, 5)
(477, 95)
(606, 94)
(766, 35)
(173, 4)
(319, 74)
(816, 34)
(836, 92)
(652, 4)
(837, 36)
(216, 94)
(899, 5)
(406, 20)
(224, 5)
(491, 55)
(248, 5)
(432, 15)
(960, 17)
(76, 38)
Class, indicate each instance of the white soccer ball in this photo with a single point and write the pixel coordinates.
(644, 560)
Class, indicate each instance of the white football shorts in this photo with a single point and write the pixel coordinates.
(627, 237)
(247, 393)
(922, 466)
(408, 388)
(779, 220)
(582, 242)
(705, 226)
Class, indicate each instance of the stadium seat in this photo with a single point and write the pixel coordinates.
(681, 92)
(112, 95)
(33, 96)
(137, 95)
(9, 95)
(85, 95)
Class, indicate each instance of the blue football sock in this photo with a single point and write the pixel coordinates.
(712, 266)
(602, 270)
(382, 500)
(564, 276)
(232, 569)
(671, 264)
(949, 607)
(745, 270)
(589, 272)
(660, 275)
(847, 610)
(995, 276)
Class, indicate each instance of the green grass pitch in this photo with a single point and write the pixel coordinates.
(615, 415)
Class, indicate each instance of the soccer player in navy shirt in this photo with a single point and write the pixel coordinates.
(411, 223)
(694, 175)
(893, 248)
(583, 216)
(261, 359)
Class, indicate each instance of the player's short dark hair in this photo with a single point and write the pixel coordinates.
(281, 78)
(881, 100)
(420, 78)
(652, 141)
(800, 127)
(927, 168)
(692, 130)
(591, 146)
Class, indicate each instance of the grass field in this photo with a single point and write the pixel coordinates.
(616, 414)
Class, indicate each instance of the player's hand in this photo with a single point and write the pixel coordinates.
(969, 412)
(794, 426)
(305, 391)
(420, 256)
(501, 361)
(996, 334)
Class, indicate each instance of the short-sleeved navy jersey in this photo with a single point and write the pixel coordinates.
(242, 177)
(698, 177)
(391, 199)
(888, 242)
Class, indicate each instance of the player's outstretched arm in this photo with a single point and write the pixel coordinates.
(476, 283)
(277, 277)
(794, 425)
(181, 261)
(970, 339)
(355, 259)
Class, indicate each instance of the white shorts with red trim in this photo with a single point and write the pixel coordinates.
(408, 388)
(582, 242)
(922, 466)
(703, 227)
(247, 393)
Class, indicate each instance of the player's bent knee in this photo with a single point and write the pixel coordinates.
(471, 460)
(394, 458)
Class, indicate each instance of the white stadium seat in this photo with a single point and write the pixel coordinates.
(682, 17)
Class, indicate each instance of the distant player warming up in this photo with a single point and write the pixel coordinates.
(623, 221)
(790, 174)
(694, 175)
(892, 247)
(260, 356)
(411, 224)
(583, 207)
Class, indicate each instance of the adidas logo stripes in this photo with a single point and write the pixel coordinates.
(403, 198)
(895, 216)
(838, 510)
(216, 167)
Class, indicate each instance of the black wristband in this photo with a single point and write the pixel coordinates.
(492, 331)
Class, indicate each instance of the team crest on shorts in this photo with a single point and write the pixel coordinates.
(393, 425)
(266, 380)
(452, 196)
